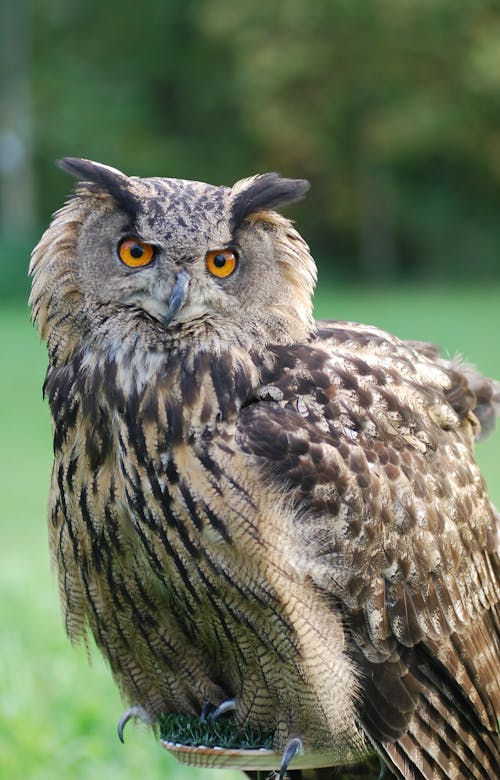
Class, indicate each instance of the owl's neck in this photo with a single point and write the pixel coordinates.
(178, 394)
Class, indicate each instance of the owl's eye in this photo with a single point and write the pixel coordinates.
(135, 253)
(221, 262)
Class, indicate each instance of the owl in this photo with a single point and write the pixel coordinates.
(255, 512)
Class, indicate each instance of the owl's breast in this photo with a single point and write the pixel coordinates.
(185, 568)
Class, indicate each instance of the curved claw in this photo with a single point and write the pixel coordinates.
(207, 708)
(133, 712)
(226, 706)
(294, 746)
(383, 770)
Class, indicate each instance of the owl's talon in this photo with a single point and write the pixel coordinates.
(207, 708)
(292, 748)
(226, 706)
(383, 770)
(133, 712)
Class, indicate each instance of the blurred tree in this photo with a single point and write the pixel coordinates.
(17, 208)
(390, 107)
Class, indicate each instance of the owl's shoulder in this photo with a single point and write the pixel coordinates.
(373, 439)
(354, 382)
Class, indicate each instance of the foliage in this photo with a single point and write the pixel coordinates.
(390, 107)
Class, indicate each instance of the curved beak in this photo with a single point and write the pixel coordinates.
(177, 297)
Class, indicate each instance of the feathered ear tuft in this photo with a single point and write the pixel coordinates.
(264, 192)
(104, 177)
(90, 170)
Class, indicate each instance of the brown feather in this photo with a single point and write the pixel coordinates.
(249, 505)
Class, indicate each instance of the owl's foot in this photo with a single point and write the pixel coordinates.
(293, 747)
(211, 713)
(133, 712)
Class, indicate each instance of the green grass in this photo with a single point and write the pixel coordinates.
(58, 714)
(186, 730)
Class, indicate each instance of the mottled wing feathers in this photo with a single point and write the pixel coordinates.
(373, 438)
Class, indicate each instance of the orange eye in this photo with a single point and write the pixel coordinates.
(221, 262)
(135, 253)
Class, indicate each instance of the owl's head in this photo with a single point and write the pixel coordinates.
(174, 259)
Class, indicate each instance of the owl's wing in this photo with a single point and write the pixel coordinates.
(374, 437)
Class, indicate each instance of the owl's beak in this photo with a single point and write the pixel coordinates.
(177, 297)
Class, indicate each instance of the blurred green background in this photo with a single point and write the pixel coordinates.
(390, 107)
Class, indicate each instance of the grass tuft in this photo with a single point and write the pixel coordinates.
(224, 733)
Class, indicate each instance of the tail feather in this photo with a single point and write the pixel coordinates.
(447, 717)
(440, 745)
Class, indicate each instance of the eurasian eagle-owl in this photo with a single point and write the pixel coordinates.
(249, 506)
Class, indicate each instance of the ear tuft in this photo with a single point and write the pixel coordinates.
(265, 192)
(89, 170)
(104, 177)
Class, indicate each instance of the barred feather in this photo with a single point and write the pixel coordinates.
(247, 504)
